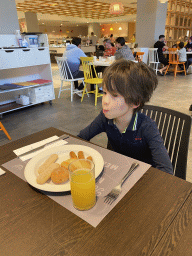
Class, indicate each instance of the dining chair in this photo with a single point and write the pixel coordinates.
(2, 128)
(174, 60)
(91, 77)
(153, 58)
(139, 56)
(66, 75)
(174, 128)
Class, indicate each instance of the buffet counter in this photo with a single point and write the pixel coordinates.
(58, 51)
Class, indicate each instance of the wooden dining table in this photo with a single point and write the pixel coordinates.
(153, 218)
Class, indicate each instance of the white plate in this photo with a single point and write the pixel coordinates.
(63, 154)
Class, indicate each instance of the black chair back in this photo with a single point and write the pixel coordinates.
(174, 128)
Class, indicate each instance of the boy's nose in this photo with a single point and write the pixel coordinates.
(105, 99)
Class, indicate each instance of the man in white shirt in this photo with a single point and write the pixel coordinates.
(93, 39)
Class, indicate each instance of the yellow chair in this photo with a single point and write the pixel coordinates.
(2, 128)
(90, 76)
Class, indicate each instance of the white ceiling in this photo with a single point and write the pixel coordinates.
(55, 20)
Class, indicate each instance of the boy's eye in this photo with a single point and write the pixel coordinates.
(115, 95)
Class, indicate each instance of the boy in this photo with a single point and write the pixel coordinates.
(127, 86)
(183, 56)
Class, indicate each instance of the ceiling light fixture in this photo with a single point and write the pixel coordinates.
(116, 8)
(111, 29)
(120, 28)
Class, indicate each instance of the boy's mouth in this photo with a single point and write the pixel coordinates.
(105, 111)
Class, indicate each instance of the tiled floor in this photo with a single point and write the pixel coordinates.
(174, 93)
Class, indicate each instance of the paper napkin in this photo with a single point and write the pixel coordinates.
(27, 148)
(1, 172)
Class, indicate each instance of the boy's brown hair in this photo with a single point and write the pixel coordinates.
(134, 81)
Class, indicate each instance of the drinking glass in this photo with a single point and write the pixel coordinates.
(82, 180)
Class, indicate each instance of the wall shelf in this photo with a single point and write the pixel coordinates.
(23, 65)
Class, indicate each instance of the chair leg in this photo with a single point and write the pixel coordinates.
(71, 91)
(85, 89)
(167, 69)
(156, 66)
(175, 70)
(5, 131)
(184, 68)
(96, 94)
(60, 88)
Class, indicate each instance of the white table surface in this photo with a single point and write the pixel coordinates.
(106, 63)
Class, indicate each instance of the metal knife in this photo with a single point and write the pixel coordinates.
(62, 137)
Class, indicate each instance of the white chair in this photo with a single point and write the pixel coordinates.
(66, 75)
(153, 58)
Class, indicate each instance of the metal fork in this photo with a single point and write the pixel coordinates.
(116, 191)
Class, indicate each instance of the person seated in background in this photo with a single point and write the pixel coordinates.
(73, 54)
(109, 49)
(183, 56)
(160, 44)
(127, 86)
(189, 45)
(123, 51)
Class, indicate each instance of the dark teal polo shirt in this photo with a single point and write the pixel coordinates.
(141, 140)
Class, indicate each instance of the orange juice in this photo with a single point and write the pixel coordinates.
(83, 189)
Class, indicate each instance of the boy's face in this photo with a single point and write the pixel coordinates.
(114, 106)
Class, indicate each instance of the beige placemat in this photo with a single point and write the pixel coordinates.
(115, 167)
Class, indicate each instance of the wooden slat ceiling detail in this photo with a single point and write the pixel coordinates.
(85, 9)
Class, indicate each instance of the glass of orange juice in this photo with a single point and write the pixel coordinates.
(82, 180)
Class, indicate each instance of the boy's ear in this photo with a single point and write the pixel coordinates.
(134, 106)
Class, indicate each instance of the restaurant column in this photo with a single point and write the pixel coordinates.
(151, 18)
(31, 22)
(94, 27)
(8, 17)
